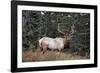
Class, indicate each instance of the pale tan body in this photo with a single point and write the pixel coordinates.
(52, 43)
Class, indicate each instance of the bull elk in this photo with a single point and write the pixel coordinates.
(57, 43)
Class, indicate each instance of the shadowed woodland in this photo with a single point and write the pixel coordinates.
(38, 24)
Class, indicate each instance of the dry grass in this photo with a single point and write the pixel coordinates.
(30, 56)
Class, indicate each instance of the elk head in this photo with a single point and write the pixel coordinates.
(66, 36)
(66, 39)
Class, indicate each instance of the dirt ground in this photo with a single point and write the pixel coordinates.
(30, 56)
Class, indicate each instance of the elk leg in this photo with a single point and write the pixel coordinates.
(59, 52)
(44, 49)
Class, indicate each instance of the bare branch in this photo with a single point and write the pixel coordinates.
(38, 29)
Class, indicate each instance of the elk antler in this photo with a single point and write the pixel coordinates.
(60, 30)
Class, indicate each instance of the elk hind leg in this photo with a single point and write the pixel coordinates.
(45, 48)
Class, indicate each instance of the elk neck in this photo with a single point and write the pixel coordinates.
(65, 40)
